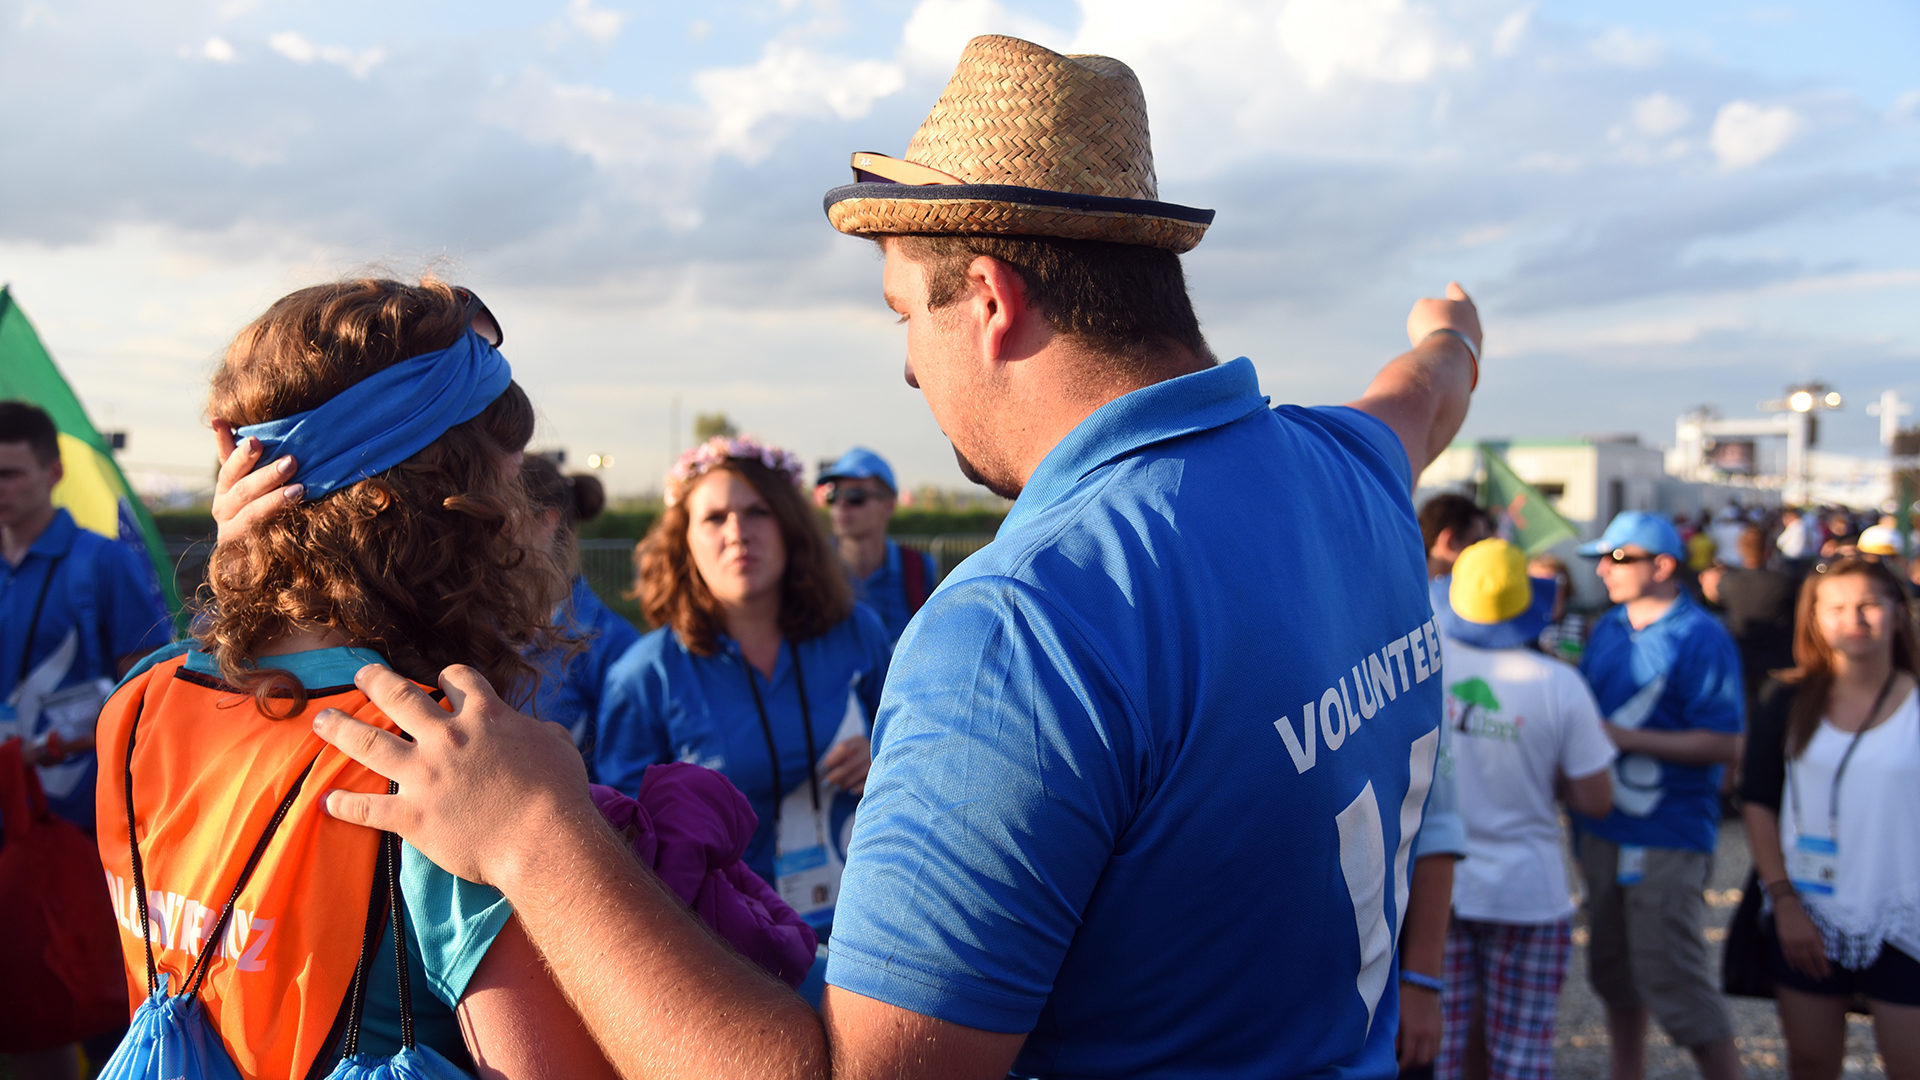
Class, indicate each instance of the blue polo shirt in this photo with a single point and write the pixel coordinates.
(663, 703)
(1148, 766)
(1679, 672)
(97, 602)
(569, 690)
(885, 590)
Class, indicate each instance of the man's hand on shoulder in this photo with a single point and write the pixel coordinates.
(484, 791)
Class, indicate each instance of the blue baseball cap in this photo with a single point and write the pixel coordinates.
(858, 464)
(1639, 528)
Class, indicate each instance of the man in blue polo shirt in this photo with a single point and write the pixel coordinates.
(892, 580)
(1667, 677)
(1148, 767)
(76, 611)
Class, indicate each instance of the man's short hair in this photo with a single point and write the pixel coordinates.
(1125, 301)
(1449, 510)
(25, 422)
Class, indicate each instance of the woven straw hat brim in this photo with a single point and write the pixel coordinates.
(874, 209)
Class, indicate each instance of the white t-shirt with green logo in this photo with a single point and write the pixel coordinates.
(1517, 719)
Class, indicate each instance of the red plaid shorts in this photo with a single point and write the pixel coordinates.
(1509, 974)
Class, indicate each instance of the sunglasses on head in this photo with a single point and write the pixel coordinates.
(1623, 557)
(839, 496)
(479, 318)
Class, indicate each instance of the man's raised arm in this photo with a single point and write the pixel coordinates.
(1422, 393)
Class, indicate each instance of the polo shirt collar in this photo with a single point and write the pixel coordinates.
(1166, 410)
(57, 537)
(317, 669)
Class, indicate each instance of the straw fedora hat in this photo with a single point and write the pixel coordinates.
(1023, 142)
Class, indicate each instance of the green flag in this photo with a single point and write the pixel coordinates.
(1525, 517)
(92, 489)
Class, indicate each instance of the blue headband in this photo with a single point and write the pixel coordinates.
(387, 417)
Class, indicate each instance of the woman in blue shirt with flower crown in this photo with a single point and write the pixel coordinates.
(763, 667)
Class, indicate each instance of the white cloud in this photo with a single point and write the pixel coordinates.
(298, 49)
(1387, 41)
(788, 82)
(1746, 134)
(600, 24)
(217, 50)
(1907, 106)
(938, 29)
(1625, 48)
(1660, 114)
(1506, 37)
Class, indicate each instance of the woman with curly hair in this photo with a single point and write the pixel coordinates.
(762, 665)
(233, 887)
(1832, 790)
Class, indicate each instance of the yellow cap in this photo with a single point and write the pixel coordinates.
(1490, 583)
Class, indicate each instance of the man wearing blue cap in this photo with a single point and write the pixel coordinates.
(892, 580)
(1667, 678)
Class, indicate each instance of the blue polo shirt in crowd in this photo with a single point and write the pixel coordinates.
(663, 703)
(885, 590)
(569, 690)
(1678, 673)
(1148, 766)
(97, 602)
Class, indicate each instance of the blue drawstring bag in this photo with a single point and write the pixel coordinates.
(171, 1037)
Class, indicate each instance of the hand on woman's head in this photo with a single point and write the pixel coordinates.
(245, 496)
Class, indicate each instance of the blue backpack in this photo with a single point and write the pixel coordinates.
(171, 1037)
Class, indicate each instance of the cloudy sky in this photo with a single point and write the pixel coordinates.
(1657, 205)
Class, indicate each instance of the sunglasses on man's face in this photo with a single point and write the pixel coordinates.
(838, 496)
(1623, 557)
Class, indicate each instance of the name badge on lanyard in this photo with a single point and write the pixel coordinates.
(806, 867)
(812, 819)
(1812, 865)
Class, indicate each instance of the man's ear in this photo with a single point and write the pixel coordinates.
(59, 471)
(1664, 567)
(1444, 543)
(1002, 310)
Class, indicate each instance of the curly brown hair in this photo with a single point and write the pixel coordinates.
(425, 563)
(814, 594)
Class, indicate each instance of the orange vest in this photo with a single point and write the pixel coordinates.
(209, 770)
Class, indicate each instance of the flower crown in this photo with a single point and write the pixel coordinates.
(720, 449)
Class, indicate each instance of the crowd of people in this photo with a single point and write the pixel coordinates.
(1703, 685)
(1221, 760)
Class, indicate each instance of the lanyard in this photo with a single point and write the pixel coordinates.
(1833, 797)
(33, 622)
(766, 729)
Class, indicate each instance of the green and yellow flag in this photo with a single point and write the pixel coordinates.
(93, 490)
(1526, 519)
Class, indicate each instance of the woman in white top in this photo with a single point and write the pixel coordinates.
(1832, 794)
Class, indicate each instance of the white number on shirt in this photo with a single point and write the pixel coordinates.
(1363, 862)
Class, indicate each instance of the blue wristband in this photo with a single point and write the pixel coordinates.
(1424, 982)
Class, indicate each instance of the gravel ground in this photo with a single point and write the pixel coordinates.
(1581, 1039)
